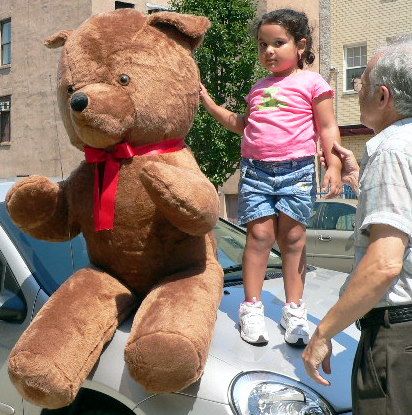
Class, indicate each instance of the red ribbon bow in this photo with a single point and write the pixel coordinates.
(104, 198)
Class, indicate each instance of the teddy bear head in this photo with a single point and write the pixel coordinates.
(127, 77)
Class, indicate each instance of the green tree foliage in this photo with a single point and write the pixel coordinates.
(228, 67)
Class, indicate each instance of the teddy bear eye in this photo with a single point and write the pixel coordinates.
(124, 79)
(70, 89)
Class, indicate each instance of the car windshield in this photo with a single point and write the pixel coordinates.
(231, 242)
(53, 262)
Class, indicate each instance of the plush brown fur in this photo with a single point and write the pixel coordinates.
(161, 246)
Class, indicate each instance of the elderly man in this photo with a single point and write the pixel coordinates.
(378, 293)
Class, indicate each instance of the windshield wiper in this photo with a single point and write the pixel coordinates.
(233, 268)
(239, 267)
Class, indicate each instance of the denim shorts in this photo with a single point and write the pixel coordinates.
(269, 187)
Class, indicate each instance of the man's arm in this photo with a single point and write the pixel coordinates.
(373, 276)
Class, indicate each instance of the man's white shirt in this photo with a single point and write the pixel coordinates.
(385, 197)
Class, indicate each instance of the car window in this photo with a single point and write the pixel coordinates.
(338, 216)
(50, 262)
(313, 221)
(9, 292)
(7, 280)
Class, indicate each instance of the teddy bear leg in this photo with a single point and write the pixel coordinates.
(57, 351)
(173, 328)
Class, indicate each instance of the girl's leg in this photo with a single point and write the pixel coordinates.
(259, 240)
(261, 235)
(291, 240)
(292, 244)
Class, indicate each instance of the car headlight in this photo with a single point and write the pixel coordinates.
(267, 393)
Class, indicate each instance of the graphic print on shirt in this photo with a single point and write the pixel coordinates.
(271, 99)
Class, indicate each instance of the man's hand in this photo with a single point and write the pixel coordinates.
(317, 353)
(350, 167)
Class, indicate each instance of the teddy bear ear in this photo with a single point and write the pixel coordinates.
(58, 39)
(193, 27)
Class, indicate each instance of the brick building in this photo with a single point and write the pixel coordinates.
(357, 29)
(32, 135)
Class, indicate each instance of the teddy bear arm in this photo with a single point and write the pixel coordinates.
(185, 197)
(39, 207)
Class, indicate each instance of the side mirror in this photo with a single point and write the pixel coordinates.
(13, 308)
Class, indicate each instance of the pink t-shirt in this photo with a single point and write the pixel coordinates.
(281, 124)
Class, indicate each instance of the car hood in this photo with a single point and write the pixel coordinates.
(229, 355)
(320, 294)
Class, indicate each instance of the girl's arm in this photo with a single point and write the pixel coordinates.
(230, 120)
(329, 133)
(350, 167)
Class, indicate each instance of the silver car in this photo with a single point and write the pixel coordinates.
(330, 235)
(239, 378)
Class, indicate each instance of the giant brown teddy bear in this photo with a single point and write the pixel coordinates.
(128, 90)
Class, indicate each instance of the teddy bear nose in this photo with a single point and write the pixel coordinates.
(79, 101)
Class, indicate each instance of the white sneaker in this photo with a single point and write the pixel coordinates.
(295, 322)
(252, 323)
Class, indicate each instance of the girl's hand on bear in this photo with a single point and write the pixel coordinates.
(205, 97)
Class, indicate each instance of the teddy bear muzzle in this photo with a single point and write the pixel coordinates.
(97, 122)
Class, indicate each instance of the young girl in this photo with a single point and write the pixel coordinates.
(286, 112)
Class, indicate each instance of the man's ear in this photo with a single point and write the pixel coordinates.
(192, 27)
(58, 39)
(384, 96)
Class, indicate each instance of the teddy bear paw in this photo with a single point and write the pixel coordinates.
(164, 362)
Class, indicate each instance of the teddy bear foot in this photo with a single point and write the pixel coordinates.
(42, 384)
(164, 362)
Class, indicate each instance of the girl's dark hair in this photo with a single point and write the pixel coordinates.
(297, 24)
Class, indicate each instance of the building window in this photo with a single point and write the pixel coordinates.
(123, 5)
(5, 36)
(5, 103)
(154, 8)
(355, 60)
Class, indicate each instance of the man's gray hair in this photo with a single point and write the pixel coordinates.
(394, 70)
